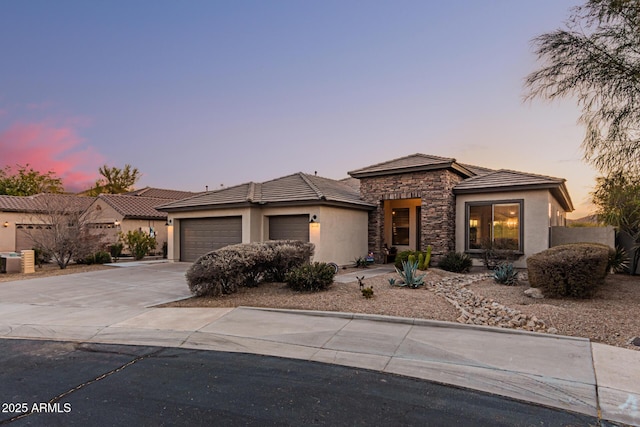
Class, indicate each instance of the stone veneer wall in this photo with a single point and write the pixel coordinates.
(435, 188)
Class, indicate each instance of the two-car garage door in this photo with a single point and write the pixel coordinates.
(199, 236)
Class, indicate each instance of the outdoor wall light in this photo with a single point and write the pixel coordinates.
(313, 219)
(169, 222)
(6, 224)
(116, 223)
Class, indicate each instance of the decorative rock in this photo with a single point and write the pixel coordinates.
(534, 293)
(552, 331)
(635, 341)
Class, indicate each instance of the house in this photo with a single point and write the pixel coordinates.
(329, 213)
(21, 214)
(108, 214)
(409, 203)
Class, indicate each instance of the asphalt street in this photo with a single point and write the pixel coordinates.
(47, 383)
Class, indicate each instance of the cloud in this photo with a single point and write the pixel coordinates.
(47, 146)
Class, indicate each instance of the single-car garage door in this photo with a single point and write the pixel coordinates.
(289, 227)
(201, 235)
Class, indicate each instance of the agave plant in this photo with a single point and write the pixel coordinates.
(409, 276)
(506, 274)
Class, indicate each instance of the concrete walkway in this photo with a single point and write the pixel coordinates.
(114, 306)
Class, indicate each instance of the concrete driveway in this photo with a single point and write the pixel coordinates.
(113, 306)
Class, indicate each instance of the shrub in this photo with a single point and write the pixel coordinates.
(42, 256)
(360, 262)
(367, 292)
(116, 250)
(311, 277)
(457, 262)
(102, 257)
(139, 243)
(574, 270)
(493, 258)
(505, 274)
(286, 254)
(224, 270)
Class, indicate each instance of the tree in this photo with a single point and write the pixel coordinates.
(62, 228)
(596, 59)
(618, 199)
(25, 181)
(115, 180)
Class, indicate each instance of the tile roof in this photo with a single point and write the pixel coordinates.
(162, 193)
(295, 188)
(43, 202)
(411, 163)
(509, 180)
(135, 207)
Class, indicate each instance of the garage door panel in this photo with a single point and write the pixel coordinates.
(289, 227)
(201, 235)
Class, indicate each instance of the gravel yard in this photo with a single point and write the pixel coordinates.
(611, 317)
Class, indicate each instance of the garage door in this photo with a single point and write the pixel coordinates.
(289, 227)
(201, 235)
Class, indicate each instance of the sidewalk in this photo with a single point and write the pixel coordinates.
(562, 372)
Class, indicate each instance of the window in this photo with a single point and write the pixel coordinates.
(494, 224)
(400, 227)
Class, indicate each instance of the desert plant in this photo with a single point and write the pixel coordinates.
(311, 277)
(457, 262)
(506, 274)
(367, 292)
(409, 276)
(574, 270)
(392, 281)
(361, 262)
(421, 261)
(618, 260)
(102, 257)
(138, 243)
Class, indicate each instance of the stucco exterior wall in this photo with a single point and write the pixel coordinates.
(340, 236)
(343, 235)
(438, 207)
(566, 235)
(8, 234)
(535, 221)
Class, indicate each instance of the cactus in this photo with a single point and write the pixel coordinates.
(421, 261)
(427, 258)
(411, 259)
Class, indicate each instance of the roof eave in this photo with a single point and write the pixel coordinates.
(205, 207)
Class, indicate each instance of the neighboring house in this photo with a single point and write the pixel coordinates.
(109, 214)
(21, 214)
(409, 203)
(329, 213)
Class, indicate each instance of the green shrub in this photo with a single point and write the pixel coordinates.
(505, 274)
(116, 250)
(457, 262)
(102, 257)
(42, 256)
(138, 243)
(311, 277)
(225, 270)
(574, 270)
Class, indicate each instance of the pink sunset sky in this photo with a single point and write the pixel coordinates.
(219, 93)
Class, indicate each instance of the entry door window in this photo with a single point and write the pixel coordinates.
(400, 227)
